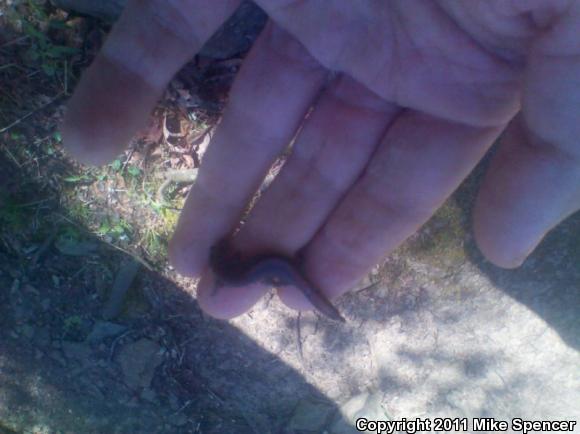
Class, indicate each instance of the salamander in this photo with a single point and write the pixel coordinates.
(231, 269)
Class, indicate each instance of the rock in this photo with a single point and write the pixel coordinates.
(138, 362)
(72, 247)
(310, 416)
(103, 330)
(79, 352)
(123, 281)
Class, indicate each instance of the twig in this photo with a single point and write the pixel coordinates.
(185, 176)
(26, 116)
(116, 341)
(65, 77)
(36, 202)
(131, 152)
(14, 41)
(187, 403)
(12, 157)
(370, 286)
(133, 255)
(299, 337)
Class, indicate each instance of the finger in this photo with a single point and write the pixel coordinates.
(147, 46)
(227, 302)
(419, 163)
(331, 151)
(528, 190)
(534, 181)
(329, 154)
(276, 85)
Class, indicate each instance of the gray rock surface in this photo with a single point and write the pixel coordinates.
(138, 362)
(103, 330)
(445, 334)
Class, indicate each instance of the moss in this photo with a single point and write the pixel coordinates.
(441, 241)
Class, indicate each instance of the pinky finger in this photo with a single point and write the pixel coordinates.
(147, 46)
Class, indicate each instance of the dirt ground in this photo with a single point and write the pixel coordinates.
(99, 335)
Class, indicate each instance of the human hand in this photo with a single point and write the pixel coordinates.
(423, 89)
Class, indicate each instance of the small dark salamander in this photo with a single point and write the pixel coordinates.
(231, 269)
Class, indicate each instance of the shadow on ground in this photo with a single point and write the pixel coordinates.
(548, 282)
(74, 359)
(156, 364)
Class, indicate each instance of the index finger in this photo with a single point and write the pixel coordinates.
(271, 95)
(151, 41)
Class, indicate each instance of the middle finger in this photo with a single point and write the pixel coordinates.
(329, 154)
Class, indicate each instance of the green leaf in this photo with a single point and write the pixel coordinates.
(78, 178)
(134, 171)
(118, 229)
(116, 165)
(105, 228)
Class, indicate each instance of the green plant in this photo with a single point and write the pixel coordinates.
(78, 179)
(154, 243)
(133, 171)
(42, 49)
(116, 165)
(79, 211)
(119, 229)
(16, 136)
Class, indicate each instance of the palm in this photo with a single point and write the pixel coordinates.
(411, 53)
(423, 90)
